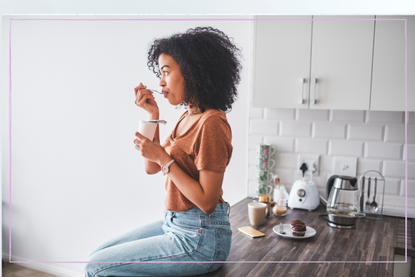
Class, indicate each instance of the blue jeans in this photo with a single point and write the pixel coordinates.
(170, 247)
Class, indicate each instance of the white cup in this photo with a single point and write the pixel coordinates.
(257, 212)
(147, 129)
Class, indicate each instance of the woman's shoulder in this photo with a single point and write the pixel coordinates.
(214, 119)
(212, 116)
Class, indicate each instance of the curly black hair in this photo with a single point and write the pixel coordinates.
(209, 63)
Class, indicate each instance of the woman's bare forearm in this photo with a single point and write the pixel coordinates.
(204, 193)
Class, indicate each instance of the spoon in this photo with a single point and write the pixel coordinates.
(367, 204)
(155, 91)
(374, 205)
(281, 231)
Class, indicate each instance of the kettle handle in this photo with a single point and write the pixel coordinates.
(329, 185)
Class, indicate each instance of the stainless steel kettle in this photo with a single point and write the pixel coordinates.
(342, 201)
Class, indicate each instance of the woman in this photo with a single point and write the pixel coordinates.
(199, 69)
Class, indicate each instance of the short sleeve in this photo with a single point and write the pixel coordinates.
(213, 146)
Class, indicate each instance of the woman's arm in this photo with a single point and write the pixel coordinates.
(205, 194)
(152, 167)
(144, 99)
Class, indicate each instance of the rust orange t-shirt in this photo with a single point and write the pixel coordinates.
(206, 145)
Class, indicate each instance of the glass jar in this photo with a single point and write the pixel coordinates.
(280, 208)
(265, 198)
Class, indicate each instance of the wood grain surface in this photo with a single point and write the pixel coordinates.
(400, 243)
(367, 250)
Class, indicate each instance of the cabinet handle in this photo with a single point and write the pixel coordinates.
(314, 97)
(302, 91)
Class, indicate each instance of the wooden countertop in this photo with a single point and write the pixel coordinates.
(362, 251)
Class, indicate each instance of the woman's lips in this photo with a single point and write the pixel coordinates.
(165, 94)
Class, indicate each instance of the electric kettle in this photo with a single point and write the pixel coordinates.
(343, 201)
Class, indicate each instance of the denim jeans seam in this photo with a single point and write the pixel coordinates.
(217, 250)
(195, 230)
(200, 243)
(110, 265)
(144, 260)
(216, 223)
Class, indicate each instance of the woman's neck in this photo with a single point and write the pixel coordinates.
(193, 110)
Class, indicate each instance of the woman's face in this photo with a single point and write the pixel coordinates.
(172, 81)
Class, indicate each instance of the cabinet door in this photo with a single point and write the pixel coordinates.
(388, 84)
(341, 62)
(281, 61)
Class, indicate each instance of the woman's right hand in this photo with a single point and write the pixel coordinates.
(144, 99)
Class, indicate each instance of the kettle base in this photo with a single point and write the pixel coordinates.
(335, 225)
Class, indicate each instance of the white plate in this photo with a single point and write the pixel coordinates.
(289, 233)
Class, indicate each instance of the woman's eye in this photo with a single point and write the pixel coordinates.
(165, 73)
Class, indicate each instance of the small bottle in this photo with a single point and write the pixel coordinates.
(280, 209)
(265, 198)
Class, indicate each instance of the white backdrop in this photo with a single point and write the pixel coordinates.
(77, 180)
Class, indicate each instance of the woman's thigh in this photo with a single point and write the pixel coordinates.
(146, 231)
(163, 255)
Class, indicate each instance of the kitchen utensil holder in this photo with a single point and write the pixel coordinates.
(366, 213)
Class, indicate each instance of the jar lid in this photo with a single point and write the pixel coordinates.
(264, 198)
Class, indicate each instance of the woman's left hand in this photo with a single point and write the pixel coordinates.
(150, 150)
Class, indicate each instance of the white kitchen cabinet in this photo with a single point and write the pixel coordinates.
(341, 62)
(388, 83)
(282, 61)
(337, 53)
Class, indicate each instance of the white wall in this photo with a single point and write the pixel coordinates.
(376, 139)
(77, 180)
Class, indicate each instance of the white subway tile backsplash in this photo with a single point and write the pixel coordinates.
(254, 141)
(394, 169)
(279, 114)
(411, 170)
(395, 203)
(385, 117)
(383, 150)
(376, 139)
(258, 126)
(411, 152)
(282, 144)
(252, 188)
(252, 175)
(252, 157)
(411, 133)
(255, 113)
(313, 115)
(346, 148)
(364, 165)
(348, 116)
(365, 132)
(395, 133)
(320, 181)
(326, 163)
(286, 177)
(392, 187)
(317, 146)
(295, 129)
(329, 130)
(411, 188)
(286, 161)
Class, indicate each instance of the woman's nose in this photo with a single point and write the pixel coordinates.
(162, 82)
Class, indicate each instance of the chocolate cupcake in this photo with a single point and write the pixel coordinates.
(297, 222)
(298, 230)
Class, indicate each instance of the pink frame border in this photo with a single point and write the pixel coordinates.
(226, 19)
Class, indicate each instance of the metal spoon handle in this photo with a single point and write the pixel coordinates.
(374, 196)
(368, 189)
(155, 91)
(158, 121)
